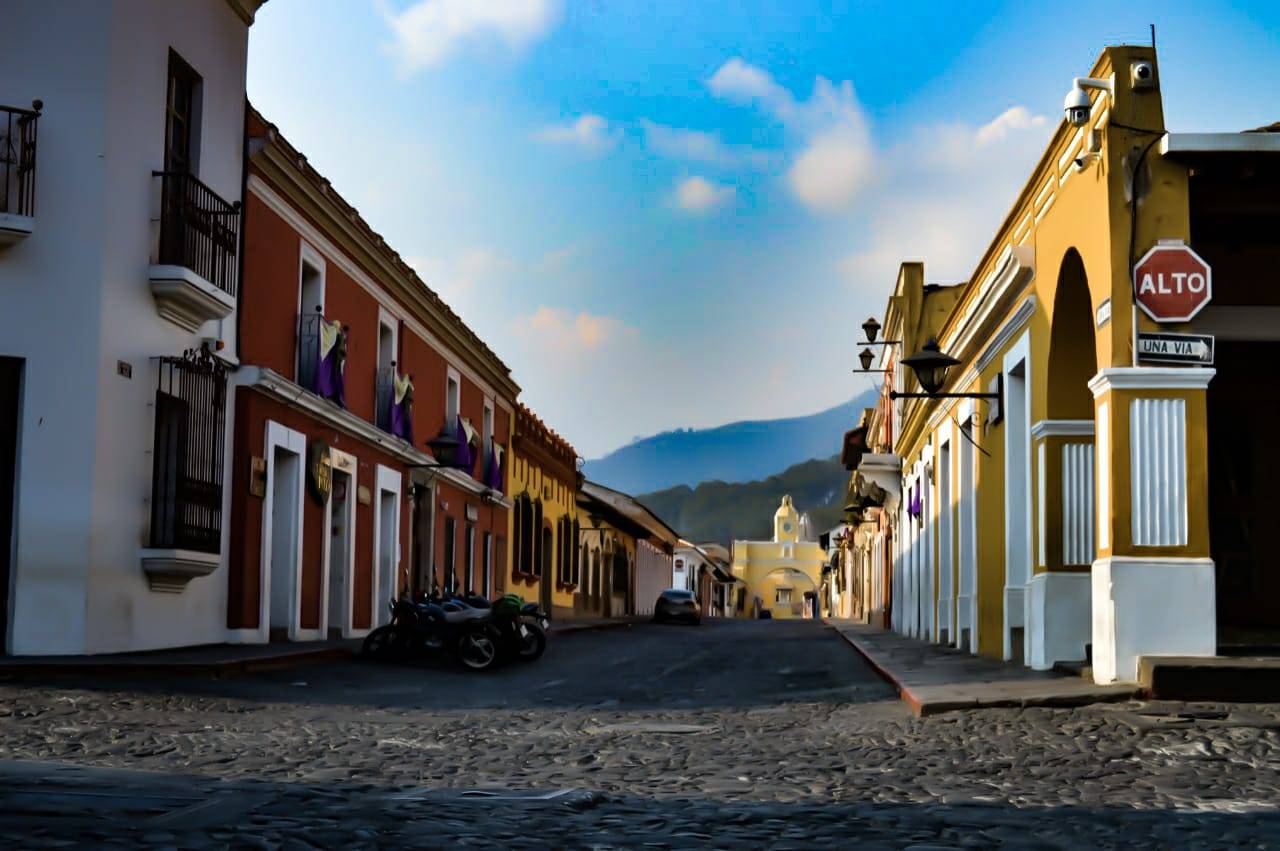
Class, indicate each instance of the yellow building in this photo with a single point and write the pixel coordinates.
(543, 480)
(782, 575)
(1104, 495)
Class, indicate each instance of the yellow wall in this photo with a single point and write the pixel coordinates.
(559, 499)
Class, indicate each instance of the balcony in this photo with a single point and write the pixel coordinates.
(394, 413)
(18, 172)
(322, 357)
(194, 280)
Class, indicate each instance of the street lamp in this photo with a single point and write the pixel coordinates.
(443, 445)
(930, 365)
(871, 328)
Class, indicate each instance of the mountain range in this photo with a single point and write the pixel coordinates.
(737, 452)
(725, 512)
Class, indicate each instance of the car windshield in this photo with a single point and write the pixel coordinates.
(677, 594)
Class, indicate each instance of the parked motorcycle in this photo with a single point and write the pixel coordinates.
(522, 627)
(417, 628)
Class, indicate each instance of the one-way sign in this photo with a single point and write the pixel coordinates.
(1176, 348)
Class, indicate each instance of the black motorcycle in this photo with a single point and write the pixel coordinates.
(521, 627)
(418, 628)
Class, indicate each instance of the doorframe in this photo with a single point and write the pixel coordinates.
(11, 591)
(386, 480)
(295, 442)
(350, 469)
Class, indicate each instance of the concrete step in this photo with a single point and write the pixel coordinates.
(1226, 678)
(1081, 669)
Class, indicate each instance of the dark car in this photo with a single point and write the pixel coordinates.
(675, 604)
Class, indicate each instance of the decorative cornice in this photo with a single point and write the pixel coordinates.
(1150, 378)
(1060, 428)
(275, 385)
(1001, 338)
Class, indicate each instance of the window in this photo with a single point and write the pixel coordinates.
(487, 433)
(486, 565)
(500, 556)
(782, 596)
(545, 553)
(182, 117)
(186, 475)
(450, 578)
(385, 374)
(469, 559)
(452, 397)
(310, 312)
(541, 548)
(578, 558)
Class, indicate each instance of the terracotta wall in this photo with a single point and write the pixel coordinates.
(253, 411)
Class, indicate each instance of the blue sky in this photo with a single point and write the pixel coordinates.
(660, 213)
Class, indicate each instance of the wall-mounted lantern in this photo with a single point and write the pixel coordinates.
(871, 328)
(930, 366)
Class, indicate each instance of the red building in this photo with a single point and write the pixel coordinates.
(348, 365)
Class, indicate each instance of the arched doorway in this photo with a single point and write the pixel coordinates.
(1073, 357)
(1059, 593)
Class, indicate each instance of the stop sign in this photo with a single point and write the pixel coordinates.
(1172, 283)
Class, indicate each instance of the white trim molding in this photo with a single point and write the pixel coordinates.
(15, 228)
(386, 480)
(1150, 378)
(348, 465)
(1061, 428)
(1175, 144)
(1012, 326)
(169, 570)
(295, 442)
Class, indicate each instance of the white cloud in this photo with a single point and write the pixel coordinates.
(837, 160)
(565, 330)
(430, 31)
(589, 132)
(833, 170)
(739, 81)
(940, 197)
(699, 195)
(697, 146)
(467, 282)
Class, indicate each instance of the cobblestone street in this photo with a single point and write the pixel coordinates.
(732, 734)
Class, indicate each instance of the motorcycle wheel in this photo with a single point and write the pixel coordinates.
(532, 644)
(477, 650)
(380, 644)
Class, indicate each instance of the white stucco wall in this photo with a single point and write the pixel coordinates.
(77, 301)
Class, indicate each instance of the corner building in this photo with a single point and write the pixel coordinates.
(1106, 505)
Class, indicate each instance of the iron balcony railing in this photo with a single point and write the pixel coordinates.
(186, 481)
(18, 159)
(198, 229)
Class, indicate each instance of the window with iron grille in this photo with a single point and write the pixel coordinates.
(186, 478)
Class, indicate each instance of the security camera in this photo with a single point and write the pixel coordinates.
(1142, 75)
(1076, 107)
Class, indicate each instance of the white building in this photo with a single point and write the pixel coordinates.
(687, 563)
(111, 485)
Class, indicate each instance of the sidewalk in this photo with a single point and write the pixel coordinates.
(563, 627)
(214, 660)
(933, 679)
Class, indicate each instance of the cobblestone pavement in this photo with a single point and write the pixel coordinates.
(749, 734)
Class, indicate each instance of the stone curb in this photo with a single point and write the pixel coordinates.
(922, 705)
(220, 668)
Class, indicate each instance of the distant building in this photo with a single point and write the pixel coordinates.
(782, 576)
(626, 554)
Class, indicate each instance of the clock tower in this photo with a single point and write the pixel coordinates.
(786, 523)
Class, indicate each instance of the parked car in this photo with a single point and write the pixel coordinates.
(677, 604)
